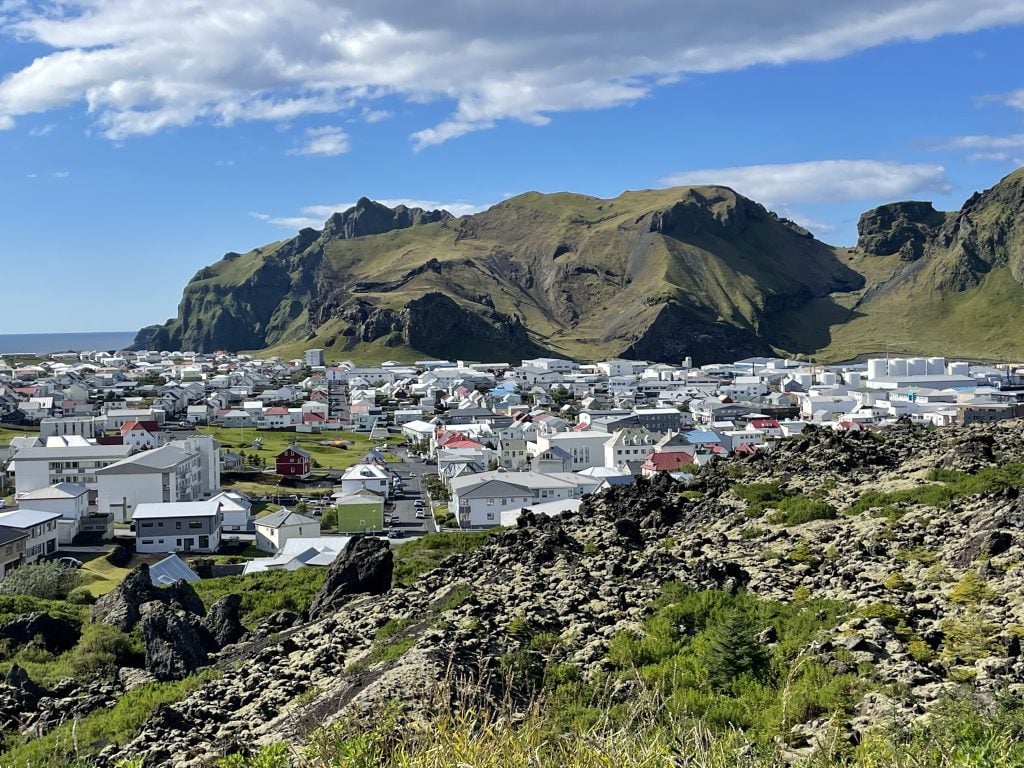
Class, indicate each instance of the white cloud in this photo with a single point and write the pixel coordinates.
(224, 163)
(821, 181)
(6, 122)
(41, 130)
(145, 67)
(984, 142)
(315, 215)
(327, 141)
(1014, 99)
(376, 115)
(60, 174)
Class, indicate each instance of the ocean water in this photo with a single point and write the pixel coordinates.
(45, 343)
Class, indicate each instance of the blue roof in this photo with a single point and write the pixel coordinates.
(703, 436)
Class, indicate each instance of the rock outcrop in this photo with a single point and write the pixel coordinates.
(53, 633)
(175, 647)
(121, 607)
(223, 622)
(904, 228)
(364, 567)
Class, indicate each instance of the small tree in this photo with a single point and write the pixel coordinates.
(46, 579)
(329, 519)
(732, 649)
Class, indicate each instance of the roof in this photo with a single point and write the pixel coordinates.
(668, 462)
(26, 518)
(293, 449)
(284, 517)
(169, 570)
(7, 535)
(152, 511)
(58, 491)
(167, 457)
(74, 452)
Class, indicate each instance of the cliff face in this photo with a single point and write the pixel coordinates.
(697, 271)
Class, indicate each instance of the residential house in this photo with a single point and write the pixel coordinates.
(140, 435)
(43, 466)
(585, 448)
(293, 462)
(273, 531)
(184, 526)
(12, 549)
(365, 510)
(369, 477)
(675, 461)
(631, 444)
(235, 512)
(39, 526)
(479, 499)
(69, 500)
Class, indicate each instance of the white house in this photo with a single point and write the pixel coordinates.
(479, 499)
(274, 530)
(69, 500)
(632, 444)
(189, 526)
(41, 528)
(418, 430)
(366, 477)
(164, 475)
(585, 449)
(235, 511)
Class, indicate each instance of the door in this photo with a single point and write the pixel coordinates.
(188, 544)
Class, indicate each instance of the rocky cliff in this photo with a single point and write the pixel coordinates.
(664, 274)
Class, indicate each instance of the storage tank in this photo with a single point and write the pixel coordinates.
(898, 367)
(917, 366)
(936, 366)
(828, 379)
(877, 368)
(853, 379)
(959, 368)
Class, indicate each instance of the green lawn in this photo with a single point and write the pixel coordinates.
(326, 455)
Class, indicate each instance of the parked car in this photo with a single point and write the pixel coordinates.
(421, 515)
(420, 504)
(70, 562)
(394, 533)
(394, 520)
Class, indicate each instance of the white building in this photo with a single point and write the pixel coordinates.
(479, 499)
(368, 477)
(41, 528)
(235, 511)
(585, 449)
(164, 475)
(273, 531)
(69, 500)
(192, 526)
(41, 467)
(314, 358)
(631, 444)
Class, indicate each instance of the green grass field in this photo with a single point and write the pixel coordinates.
(357, 517)
(327, 456)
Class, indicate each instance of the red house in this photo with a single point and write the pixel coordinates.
(293, 462)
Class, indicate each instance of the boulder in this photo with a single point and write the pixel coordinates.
(364, 567)
(120, 608)
(174, 646)
(56, 634)
(223, 623)
(27, 689)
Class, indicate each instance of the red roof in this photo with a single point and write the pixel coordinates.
(668, 462)
(277, 411)
(462, 444)
(312, 416)
(765, 423)
(139, 426)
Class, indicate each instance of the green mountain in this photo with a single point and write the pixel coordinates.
(935, 283)
(655, 274)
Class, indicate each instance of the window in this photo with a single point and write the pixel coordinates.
(490, 502)
(147, 541)
(195, 524)
(490, 515)
(177, 526)
(147, 525)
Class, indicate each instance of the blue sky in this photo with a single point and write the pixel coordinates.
(139, 142)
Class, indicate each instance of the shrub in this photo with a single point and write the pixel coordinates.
(81, 596)
(971, 589)
(101, 650)
(119, 557)
(46, 579)
(329, 519)
(265, 593)
(796, 510)
(897, 583)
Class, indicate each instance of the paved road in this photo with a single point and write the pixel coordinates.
(410, 469)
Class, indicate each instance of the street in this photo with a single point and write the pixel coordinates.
(410, 470)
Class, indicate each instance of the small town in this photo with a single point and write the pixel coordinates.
(276, 464)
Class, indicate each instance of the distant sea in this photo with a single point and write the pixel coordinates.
(45, 343)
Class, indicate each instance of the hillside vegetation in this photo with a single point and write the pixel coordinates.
(657, 274)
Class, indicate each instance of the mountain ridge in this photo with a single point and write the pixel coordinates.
(661, 274)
